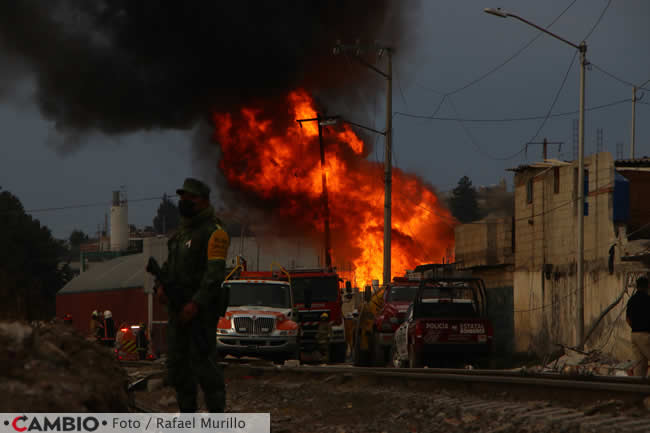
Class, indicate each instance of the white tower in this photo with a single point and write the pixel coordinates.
(119, 222)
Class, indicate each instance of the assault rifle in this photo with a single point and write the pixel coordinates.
(176, 302)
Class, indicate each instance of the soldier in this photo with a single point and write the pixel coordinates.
(194, 271)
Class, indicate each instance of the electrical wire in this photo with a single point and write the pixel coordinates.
(539, 129)
(557, 95)
(602, 14)
(609, 74)
(514, 119)
(503, 63)
(87, 205)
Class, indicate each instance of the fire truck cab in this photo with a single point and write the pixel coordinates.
(261, 320)
(318, 291)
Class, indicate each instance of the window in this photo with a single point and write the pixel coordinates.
(556, 180)
(529, 191)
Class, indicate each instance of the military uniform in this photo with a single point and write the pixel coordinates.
(196, 267)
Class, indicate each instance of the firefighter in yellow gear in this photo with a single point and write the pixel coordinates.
(323, 337)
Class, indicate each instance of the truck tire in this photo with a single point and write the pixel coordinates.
(415, 360)
(338, 352)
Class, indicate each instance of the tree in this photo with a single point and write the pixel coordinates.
(30, 275)
(167, 217)
(463, 203)
(77, 237)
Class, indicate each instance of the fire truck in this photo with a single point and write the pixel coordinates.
(313, 292)
(318, 291)
(261, 319)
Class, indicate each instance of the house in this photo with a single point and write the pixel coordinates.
(545, 251)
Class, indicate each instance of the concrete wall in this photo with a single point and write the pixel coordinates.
(484, 243)
(545, 260)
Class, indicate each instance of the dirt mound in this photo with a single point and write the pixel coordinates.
(49, 367)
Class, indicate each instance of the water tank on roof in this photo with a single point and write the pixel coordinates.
(119, 222)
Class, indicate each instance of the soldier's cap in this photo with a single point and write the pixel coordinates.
(195, 187)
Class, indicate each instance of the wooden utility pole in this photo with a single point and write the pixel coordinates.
(323, 121)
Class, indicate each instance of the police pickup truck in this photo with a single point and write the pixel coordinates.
(446, 325)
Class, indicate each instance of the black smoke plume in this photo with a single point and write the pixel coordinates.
(120, 66)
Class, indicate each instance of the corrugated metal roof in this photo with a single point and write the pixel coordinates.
(548, 163)
(638, 162)
(120, 273)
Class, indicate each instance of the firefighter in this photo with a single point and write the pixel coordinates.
(192, 277)
(98, 328)
(142, 342)
(109, 329)
(323, 337)
(67, 319)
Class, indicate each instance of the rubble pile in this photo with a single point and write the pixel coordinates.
(588, 363)
(49, 367)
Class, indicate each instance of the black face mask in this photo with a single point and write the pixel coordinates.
(186, 208)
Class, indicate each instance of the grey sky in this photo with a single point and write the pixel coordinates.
(456, 42)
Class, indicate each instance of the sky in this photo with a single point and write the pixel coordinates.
(452, 44)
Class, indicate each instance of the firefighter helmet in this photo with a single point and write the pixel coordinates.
(108, 314)
(94, 314)
(324, 316)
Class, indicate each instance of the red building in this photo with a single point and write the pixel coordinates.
(117, 285)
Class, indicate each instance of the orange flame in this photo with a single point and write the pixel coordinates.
(276, 161)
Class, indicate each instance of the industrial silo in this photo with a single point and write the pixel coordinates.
(119, 222)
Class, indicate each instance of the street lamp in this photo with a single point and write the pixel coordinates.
(582, 48)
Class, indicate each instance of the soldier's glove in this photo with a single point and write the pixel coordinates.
(190, 310)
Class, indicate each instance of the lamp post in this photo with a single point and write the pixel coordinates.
(582, 48)
(388, 155)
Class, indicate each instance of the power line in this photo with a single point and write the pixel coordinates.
(621, 80)
(514, 119)
(602, 14)
(557, 95)
(89, 205)
(506, 61)
(545, 119)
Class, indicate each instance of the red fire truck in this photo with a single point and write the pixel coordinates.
(318, 291)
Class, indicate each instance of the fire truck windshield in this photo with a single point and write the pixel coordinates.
(401, 294)
(259, 294)
(323, 289)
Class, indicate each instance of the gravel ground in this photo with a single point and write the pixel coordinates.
(335, 405)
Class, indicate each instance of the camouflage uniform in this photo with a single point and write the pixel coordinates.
(196, 267)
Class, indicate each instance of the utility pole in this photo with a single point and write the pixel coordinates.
(582, 49)
(324, 121)
(357, 49)
(545, 143)
(633, 127)
(388, 171)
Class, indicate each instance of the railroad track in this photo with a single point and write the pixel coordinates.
(551, 401)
